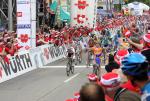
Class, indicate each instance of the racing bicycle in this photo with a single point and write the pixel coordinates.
(96, 66)
(70, 67)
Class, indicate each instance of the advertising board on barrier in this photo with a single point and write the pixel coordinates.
(52, 53)
(37, 55)
(29, 60)
(18, 65)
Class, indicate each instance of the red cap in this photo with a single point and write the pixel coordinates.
(92, 77)
(110, 80)
(120, 55)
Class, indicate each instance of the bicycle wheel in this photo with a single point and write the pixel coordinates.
(72, 68)
(80, 59)
(90, 59)
(68, 69)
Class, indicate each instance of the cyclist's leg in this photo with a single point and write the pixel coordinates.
(99, 68)
(99, 72)
(81, 53)
(87, 58)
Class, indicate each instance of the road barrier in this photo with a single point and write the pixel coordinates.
(26, 61)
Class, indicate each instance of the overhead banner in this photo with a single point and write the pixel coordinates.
(83, 12)
(26, 23)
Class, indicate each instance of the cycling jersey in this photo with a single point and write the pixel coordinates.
(96, 50)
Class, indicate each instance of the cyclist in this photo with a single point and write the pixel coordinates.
(97, 50)
(90, 45)
(78, 49)
(146, 50)
(135, 67)
(71, 52)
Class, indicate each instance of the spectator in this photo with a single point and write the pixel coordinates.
(91, 92)
(146, 50)
(132, 47)
(135, 67)
(111, 64)
(111, 84)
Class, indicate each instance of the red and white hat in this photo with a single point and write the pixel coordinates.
(146, 37)
(73, 99)
(92, 77)
(110, 80)
(127, 34)
(120, 55)
(77, 95)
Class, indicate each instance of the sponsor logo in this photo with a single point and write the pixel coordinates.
(82, 4)
(17, 64)
(24, 26)
(27, 47)
(46, 53)
(24, 38)
(19, 14)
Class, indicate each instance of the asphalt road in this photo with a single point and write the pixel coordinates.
(49, 83)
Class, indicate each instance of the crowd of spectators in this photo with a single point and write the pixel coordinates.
(8, 45)
(60, 36)
(127, 77)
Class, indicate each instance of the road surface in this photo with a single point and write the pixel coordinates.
(49, 83)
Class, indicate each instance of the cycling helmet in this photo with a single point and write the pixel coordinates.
(134, 64)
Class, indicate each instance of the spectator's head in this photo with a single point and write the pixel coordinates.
(91, 92)
(92, 78)
(135, 40)
(120, 54)
(97, 45)
(111, 58)
(110, 82)
(135, 67)
(137, 30)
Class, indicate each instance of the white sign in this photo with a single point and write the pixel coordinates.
(26, 23)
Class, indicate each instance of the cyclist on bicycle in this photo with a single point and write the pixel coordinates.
(71, 52)
(90, 45)
(78, 48)
(97, 50)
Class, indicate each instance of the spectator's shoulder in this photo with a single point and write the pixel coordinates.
(129, 96)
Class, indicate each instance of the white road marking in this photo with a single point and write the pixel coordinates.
(71, 78)
(83, 66)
